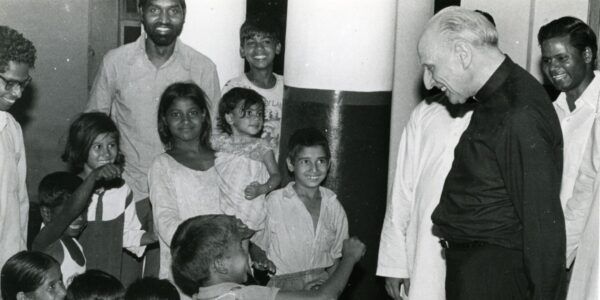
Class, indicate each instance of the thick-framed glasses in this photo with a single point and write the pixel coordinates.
(10, 84)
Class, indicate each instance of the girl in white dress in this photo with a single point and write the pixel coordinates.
(183, 181)
(245, 163)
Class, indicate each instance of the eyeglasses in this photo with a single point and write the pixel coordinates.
(10, 84)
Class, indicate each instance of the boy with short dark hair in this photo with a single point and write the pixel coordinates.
(210, 261)
(305, 225)
(63, 197)
(260, 42)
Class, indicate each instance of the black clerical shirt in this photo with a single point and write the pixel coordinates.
(503, 187)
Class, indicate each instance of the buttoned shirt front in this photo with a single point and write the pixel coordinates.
(289, 237)
(576, 126)
(128, 88)
(14, 202)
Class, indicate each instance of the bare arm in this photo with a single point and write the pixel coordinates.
(255, 189)
(73, 206)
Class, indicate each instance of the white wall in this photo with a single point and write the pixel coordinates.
(518, 22)
(212, 27)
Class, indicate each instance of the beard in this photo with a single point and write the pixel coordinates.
(163, 39)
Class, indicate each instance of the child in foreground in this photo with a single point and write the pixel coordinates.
(95, 285)
(210, 261)
(31, 275)
(150, 288)
(245, 163)
(305, 225)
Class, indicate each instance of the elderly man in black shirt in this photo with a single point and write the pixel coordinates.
(499, 217)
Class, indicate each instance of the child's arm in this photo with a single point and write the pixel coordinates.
(165, 209)
(135, 238)
(255, 189)
(73, 206)
(352, 252)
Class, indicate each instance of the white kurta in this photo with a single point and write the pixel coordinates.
(408, 249)
(581, 220)
(14, 202)
(178, 193)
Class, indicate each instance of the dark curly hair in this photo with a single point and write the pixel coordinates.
(14, 47)
(231, 99)
(142, 4)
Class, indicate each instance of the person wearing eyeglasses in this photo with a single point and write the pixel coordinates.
(17, 57)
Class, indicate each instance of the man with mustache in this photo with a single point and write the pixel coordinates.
(131, 80)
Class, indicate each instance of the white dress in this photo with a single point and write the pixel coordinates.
(178, 193)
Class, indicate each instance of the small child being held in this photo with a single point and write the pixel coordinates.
(260, 43)
(245, 164)
(113, 224)
(210, 261)
(305, 225)
(63, 198)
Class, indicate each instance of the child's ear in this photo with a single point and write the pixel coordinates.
(219, 266)
(242, 55)
(278, 48)
(290, 165)
(46, 213)
(21, 296)
(229, 118)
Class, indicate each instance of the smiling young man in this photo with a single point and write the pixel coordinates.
(569, 48)
(133, 77)
(17, 57)
(499, 217)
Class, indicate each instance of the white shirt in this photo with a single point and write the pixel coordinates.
(14, 202)
(113, 205)
(581, 218)
(408, 249)
(576, 126)
(178, 193)
(290, 239)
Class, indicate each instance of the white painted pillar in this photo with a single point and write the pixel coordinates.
(212, 27)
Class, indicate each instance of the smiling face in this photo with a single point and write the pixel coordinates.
(74, 229)
(103, 151)
(12, 83)
(260, 50)
(163, 21)
(184, 120)
(247, 122)
(442, 68)
(565, 66)
(51, 289)
(310, 167)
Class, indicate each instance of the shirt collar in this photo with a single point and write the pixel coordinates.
(495, 81)
(140, 52)
(214, 291)
(3, 119)
(590, 96)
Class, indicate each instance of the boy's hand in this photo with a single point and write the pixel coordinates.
(353, 249)
(253, 190)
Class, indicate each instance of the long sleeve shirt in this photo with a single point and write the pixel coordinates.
(504, 184)
(408, 249)
(14, 202)
(128, 88)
